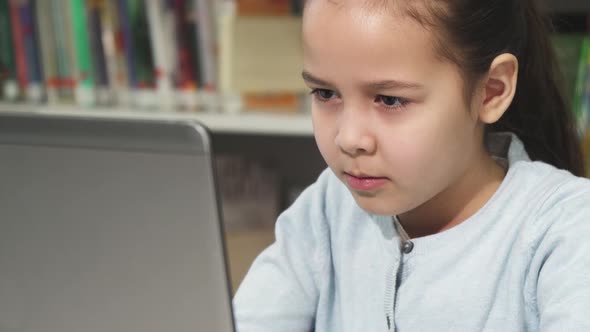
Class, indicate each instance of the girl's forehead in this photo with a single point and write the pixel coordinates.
(358, 19)
(369, 4)
(353, 36)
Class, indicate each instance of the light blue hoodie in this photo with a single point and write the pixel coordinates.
(521, 263)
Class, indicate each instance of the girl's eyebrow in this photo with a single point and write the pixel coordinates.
(376, 85)
(309, 78)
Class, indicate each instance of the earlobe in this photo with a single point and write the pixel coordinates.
(499, 88)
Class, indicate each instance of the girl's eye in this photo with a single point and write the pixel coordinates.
(323, 94)
(391, 102)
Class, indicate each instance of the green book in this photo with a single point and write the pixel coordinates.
(580, 90)
(586, 117)
(143, 58)
(81, 37)
(572, 52)
(65, 63)
(8, 85)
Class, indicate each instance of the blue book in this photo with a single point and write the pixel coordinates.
(125, 25)
(99, 64)
(35, 74)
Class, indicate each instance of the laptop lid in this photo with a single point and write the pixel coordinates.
(109, 225)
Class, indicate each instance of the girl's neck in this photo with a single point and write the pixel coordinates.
(458, 202)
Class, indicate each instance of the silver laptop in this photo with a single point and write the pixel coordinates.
(109, 225)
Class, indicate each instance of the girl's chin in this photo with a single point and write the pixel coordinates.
(377, 205)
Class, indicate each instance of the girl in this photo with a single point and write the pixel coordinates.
(451, 202)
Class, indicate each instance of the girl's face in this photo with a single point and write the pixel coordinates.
(389, 115)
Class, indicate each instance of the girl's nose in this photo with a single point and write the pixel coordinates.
(355, 136)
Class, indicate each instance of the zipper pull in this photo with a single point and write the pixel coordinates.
(406, 243)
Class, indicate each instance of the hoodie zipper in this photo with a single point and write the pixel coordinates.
(406, 247)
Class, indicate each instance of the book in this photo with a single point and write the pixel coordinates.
(266, 74)
(99, 62)
(187, 79)
(580, 90)
(84, 74)
(572, 51)
(8, 83)
(113, 41)
(162, 43)
(70, 52)
(271, 102)
(265, 7)
(19, 47)
(186, 44)
(126, 41)
(63, 51)
(142, 57)
(586, 115)
(34, 90)
(47, 51)
(207, 46)
(169, 25)
(156, 54)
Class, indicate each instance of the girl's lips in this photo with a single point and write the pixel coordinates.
(365, 183)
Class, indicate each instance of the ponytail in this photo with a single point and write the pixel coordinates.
(540, 115)
(475, 32)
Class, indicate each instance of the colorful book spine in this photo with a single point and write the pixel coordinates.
(19, 46)
(580, 88)
(115, 53)
(84, 76)
(586, 112)
(8, 81)
(34, 92)
(207, 37)
(47, 50)
(570, 49)
(170, 25)
(187, 54)
(163, 62)
(227, 21)
(586, 148)
(70, 50)
(207, 41)
(63, 52)
(142, 57)
(99, 65)
(186, 45)
(169, 20)
(126, 41)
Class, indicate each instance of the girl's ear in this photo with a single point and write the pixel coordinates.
(499, 88)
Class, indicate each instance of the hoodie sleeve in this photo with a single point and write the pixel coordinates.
(562, 265)
(280, 291)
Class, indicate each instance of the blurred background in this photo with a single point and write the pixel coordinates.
(233, 65)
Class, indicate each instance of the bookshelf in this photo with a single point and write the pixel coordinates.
(247, 123)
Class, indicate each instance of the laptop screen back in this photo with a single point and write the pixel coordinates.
(109, 226)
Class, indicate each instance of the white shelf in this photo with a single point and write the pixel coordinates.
(255, 123)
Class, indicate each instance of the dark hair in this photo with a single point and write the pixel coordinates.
(471, 33)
